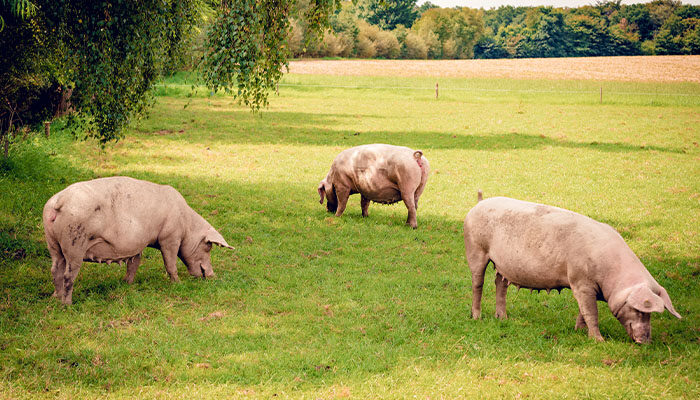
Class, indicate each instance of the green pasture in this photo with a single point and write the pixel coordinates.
(313, 306)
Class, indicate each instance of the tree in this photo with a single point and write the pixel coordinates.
(457, 30)
(488, 47)
(425, 7)
(112, 52)
(16, 8)
(26, 73)
(548, 36)
(387, 14)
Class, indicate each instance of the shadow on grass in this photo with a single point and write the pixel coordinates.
(238, 127)
(28, 178)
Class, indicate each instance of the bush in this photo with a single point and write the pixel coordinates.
(336, 44)
(364, 48)
(432, 43)
(387, 45)
(295, 38)
(449, 49)
(414, 47)
(366, 40)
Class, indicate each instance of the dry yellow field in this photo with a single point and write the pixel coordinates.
(638, 68)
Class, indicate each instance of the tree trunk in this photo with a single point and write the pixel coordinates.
(6, 144)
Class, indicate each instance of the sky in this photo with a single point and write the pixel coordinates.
(557, 3)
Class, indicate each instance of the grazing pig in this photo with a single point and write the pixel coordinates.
(114, 219)
(537, 246)
(379, 172)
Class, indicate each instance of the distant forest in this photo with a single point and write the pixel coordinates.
(400, 29)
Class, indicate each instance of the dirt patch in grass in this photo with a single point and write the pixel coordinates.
(638, 68)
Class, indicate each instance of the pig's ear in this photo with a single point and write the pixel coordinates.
(215, 237)
(667, 303)
(322, 191)
(641, 298)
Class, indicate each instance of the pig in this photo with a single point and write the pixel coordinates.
(538, 246)
(378, 172)
(113, 219)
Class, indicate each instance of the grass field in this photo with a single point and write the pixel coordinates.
(314, 306)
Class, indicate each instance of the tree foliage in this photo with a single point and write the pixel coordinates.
(457, 30)
(388, 14)
(110, 54)
(247, 45)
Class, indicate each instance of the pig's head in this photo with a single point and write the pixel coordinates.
(195, 252)
(327, 191)
(633, 307)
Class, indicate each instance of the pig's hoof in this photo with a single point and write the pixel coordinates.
(476, 314)
(501, 315)
(129, 279)
(597, 338)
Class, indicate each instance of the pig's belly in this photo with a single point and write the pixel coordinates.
(376, 186)
(101, 251)
(385, 196)
(533, 273)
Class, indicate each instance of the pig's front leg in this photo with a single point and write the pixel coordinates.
(580, 322)
(131, 267)
(588, 308)
(343, 193)
(169, 250)
(364, 203)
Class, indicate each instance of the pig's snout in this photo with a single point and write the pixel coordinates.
(206, 271)
(639, 332)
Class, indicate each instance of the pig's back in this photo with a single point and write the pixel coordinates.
(535, 245)
(123, 211)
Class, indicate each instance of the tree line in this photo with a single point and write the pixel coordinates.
(401, 29)
(101, 60)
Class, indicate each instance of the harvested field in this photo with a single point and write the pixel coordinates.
(639, 68)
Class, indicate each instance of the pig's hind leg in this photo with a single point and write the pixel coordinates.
(58, 268)
(410, 202)
(73, 249)
(501, 291)
(478, 260)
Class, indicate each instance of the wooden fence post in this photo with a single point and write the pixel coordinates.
(601, 95)
(47, 128)
(436, 90)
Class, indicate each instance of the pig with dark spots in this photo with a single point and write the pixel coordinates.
(113, 219)
(536, 246)
(378, 172)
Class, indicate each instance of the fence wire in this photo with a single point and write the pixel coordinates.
(462, 89)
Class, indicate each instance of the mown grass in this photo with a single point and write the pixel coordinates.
(313, 306)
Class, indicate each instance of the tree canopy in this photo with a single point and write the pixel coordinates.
(387, 14)
(110, 54)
